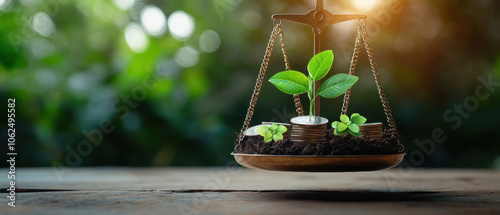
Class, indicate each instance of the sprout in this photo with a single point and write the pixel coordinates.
(294, 82)
(349, 126)
(273, 132)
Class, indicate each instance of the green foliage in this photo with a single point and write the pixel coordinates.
(273, 132)
(319, 65)
(290, 82)
(346, 126)
(336, 85)
(293, 82)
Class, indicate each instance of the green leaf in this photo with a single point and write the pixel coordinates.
(277, 137)
(281, 129)
(336, 85)
(353, 127)
(336, 132)
(262, 130)
(358, 134)
(348, 123)
(267, 139)
(290, 82)
(341, 127)
(344, 118)
(320, 64)
(273, 127)
(335, 124)
(358, 119)
(268, 134)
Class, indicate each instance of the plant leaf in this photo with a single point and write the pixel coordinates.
(353, 127)
(267, 139)
(336, 132)
(273, 127)
(277, 137)
(281, 129)
(335, 124)
(268, 134)
(358, 119)
(320, 64)
(262, 130)
(348, 123)
(290, 82)
(344, 118)
(358, 134)
(336, 85)
(341, 127)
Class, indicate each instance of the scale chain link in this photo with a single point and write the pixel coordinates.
(352, 69)
(363, 35)
(296, 97)
(373, 63)
(258, 85)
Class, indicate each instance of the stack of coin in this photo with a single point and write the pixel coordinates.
(373, 130)
(288, 126)
(252, 131)
(308, 131)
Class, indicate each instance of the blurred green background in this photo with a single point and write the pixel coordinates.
(167, 83)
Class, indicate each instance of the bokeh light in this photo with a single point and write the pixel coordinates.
(365, 5)
(153, 20)
(186, 56)
(124, 4)
(43, 24)
(42, 47)
(209, 41)
(136, 39)
(4, 3)
(47, 79)
(167, 68)
(28, 2)
(252, 19)
(181, 25)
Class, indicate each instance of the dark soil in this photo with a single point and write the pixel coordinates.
(334, 145)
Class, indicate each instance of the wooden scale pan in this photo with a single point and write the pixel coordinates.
(318, 19)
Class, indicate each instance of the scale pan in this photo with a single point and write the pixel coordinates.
(320, 163)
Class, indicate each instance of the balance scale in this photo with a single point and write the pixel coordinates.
(319, 19)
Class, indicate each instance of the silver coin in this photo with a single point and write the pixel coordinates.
(278, 123)
(252, 131)
(372, 124)
(304, 120)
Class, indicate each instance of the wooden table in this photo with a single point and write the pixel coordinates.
(230, 190)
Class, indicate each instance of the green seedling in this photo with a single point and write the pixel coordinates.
(351, 126)
(273, 132)
(294, 82)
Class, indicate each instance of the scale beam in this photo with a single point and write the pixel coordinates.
(318, 19)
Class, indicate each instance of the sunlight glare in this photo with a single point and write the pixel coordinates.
(365, 5)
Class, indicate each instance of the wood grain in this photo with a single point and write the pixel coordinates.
(111, 190)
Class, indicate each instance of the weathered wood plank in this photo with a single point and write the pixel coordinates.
(277, 202)
(110, 190)
(109, 178)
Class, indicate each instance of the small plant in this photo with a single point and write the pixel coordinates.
(294, 82)
(349, 126)
(273, 132)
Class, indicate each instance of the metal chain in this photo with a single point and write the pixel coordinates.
(363, 35)
(352, 69)
(296, 97)
(258, 85)
(373, 63)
